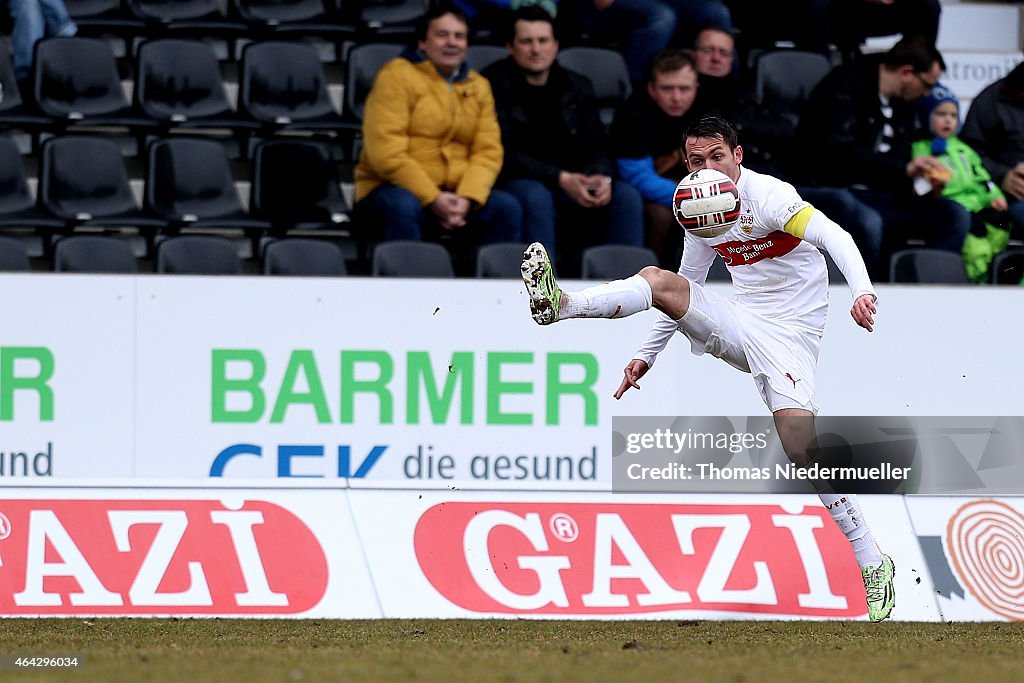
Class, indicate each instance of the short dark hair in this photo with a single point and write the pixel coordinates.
(714, 27)
(529, 13)
(712, 127)
(436, 11)
(915, 51)
(668, 61)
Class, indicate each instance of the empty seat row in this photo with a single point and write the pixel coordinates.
(340, 19)
(83, 181)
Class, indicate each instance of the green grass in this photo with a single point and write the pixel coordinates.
(151, 650)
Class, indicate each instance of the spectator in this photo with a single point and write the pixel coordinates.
(994, 127)
(431, 145)
(962, 178)
(32, 20)
(643, 27)
(646, 137)
(843, 23)
(557, 163)
(769, 134)
(860, 123)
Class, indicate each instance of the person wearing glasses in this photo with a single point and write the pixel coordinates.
(860, 123)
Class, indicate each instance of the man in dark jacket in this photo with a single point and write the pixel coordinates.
(994, 128)
(556, 153)
(856, 131)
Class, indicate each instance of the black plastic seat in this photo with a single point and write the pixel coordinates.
(98, 17)
(501, 260)
(361, 67)
(927, 266)
(615, 261)
(189, 184)
(13, 256)
(77, 83)
(17, 207)
(305, 17)
(83, 181)
(785, 78)
(390, 19)
(401, 258)
(306, 257)
(93, 254)
(197, 255)
(479, 57)
(283, 85)
(607, 72)
(1008, 267)
(296, 186)
(179, 83)
(193, 16)
(14, 113)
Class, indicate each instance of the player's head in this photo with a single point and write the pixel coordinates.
(712, 142)
(442, 34)
(940, 112)
(910, 69)
(673, 83)
(714, 51)
(532, 40)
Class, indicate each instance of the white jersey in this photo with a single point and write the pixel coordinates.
(777, 275)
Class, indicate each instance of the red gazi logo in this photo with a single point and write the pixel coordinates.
(157, 557)
(575, 558)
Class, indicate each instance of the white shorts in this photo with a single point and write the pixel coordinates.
(781, 360)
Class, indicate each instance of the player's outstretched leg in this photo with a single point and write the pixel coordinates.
(549, 303)
(545, 294)
(879, 589)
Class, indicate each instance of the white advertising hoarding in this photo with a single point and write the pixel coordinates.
(975, 551)
(601, 556)
(181, 551)
(428, 383)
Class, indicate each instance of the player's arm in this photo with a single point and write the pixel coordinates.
(815, 227)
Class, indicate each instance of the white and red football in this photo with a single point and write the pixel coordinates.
(706, 203)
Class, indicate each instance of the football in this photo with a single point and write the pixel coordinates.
(706, 203)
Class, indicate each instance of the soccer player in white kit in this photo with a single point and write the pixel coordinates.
(771, 329)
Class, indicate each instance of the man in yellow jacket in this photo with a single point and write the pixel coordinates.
(431, 145)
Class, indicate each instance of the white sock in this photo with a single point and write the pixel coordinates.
(848, 516)
(615, 299)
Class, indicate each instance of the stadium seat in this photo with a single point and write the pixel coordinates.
(197, 255)
(14, 112)
(17, 207)
(615, 261)
(402, 258)
(607, 72)
(296, 185)
(479, 57)
(302, 17)
(93, 254)
(77, 83)
(927, 266)
(500, 260)
(179, 84)
(83, 181)
(361, 67)
(719, 272)
(785, 78)
(104, 17)
(1008, 267)
(308, 257)
(13, 256)
(283, 85)
(389, 19)
(189, 184)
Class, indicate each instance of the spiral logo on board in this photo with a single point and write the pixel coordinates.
(985, 540)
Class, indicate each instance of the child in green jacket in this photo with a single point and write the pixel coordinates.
(967, 182)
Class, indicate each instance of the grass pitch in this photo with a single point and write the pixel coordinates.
(426, 651)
